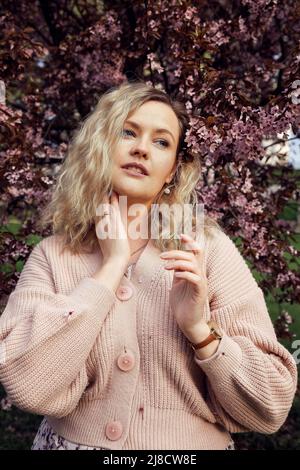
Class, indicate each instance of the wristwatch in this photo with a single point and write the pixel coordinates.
(215, 333)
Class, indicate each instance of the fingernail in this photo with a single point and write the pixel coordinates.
(163, 255)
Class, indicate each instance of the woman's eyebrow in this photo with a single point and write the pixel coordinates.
(160, 130)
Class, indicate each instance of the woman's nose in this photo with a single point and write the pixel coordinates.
(141, 147)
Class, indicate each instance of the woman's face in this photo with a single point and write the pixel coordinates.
(142, 142)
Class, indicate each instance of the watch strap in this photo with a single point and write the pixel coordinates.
(211, 337)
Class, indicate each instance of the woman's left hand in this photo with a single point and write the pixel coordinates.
(189, 290)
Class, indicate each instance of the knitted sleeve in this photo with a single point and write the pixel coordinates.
(46, 337)
(251, 378)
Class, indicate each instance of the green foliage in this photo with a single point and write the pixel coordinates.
(13, 226)
(32, 240)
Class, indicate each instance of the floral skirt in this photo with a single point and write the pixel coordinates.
(47, 439)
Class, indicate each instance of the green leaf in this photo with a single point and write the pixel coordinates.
(12, 227)
(32, 240)
(7, 268)
(19, 265)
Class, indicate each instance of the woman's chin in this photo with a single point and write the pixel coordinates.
(131, 193)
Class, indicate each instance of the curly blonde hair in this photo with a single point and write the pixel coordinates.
(85, 175)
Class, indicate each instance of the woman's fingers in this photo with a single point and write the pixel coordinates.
(121, 216)
(121, 208)
(188, 261)
(180, 255)
(191, 244)
(191, 247)
(197, 250)
(191, 277)
(104, 208)
(177, 254)
(183, 266)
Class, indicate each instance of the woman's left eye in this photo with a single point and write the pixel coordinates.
(164, 143)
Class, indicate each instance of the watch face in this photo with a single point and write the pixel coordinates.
(216, 328)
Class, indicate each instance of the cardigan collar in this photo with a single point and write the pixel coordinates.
(146, 267)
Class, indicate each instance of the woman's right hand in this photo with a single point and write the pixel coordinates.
(115, 247)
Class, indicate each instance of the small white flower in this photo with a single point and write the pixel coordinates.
(5, 404)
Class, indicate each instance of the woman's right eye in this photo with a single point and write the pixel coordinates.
(128, 130)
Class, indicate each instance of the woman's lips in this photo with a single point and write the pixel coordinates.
(132, 172)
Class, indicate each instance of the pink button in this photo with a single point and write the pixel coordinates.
(124, 292)
(126, 361)
(114, 430)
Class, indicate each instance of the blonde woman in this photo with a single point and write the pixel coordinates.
(133, 341)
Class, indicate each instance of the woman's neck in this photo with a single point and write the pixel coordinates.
(138, 229)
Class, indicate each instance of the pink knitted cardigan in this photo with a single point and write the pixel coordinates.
(64, 337)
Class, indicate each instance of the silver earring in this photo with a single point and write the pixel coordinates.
(167, 191)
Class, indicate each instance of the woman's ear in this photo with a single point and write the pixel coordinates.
(173, 171)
